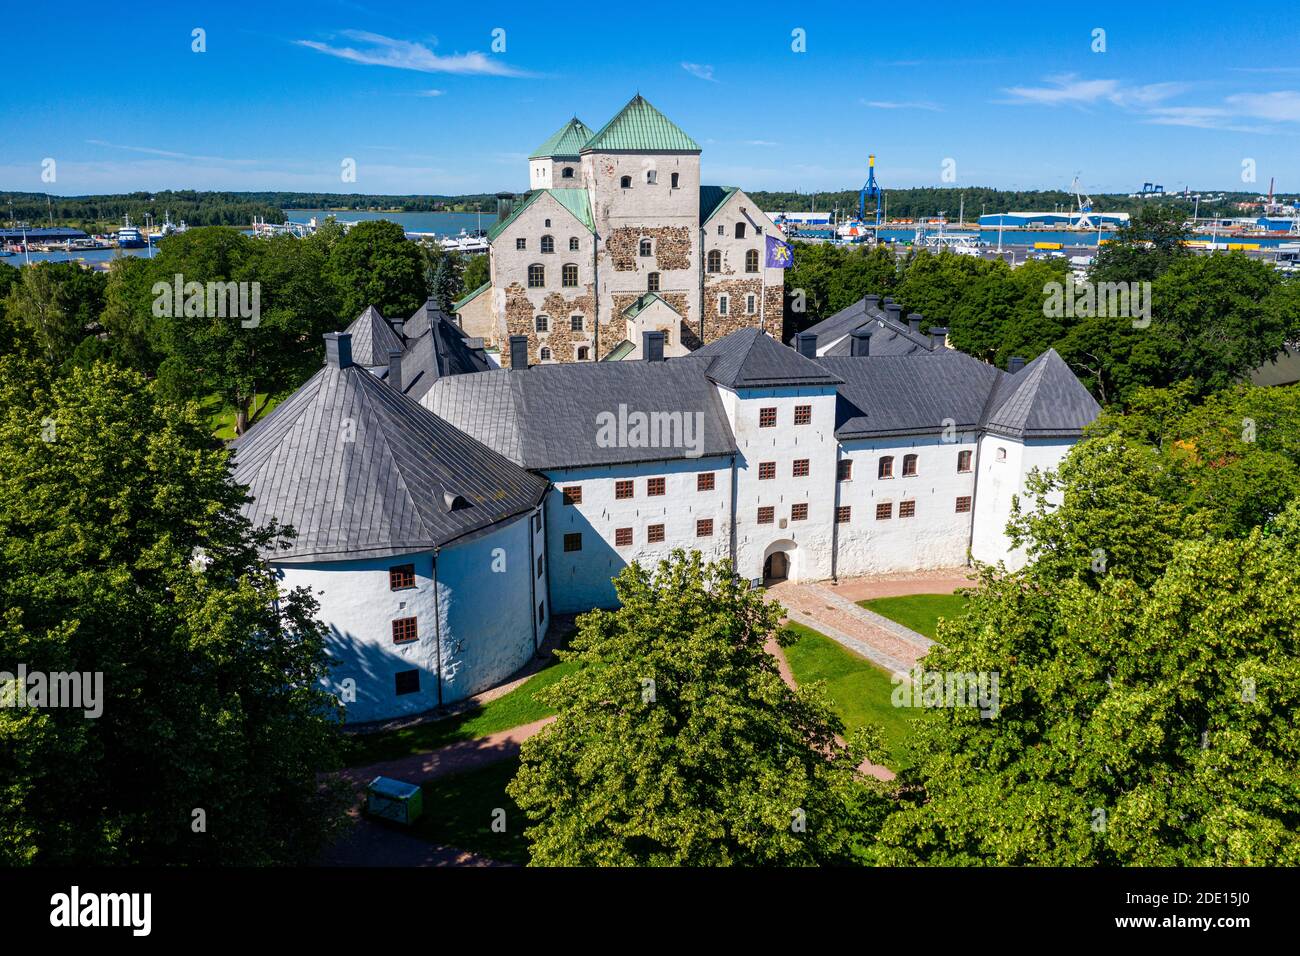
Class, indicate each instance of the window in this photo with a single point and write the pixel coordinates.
(766, 515)
(844, 469)
(547, 224)
(907, 509)
(704, 528)
(801, 467)
(799, 512)
(572, 494)
(909, 466)
(843, 513)
(569, 276)
(544, 354)
(541, 612)
(584, 353)
(575, 323)
(654, 533)
(740, 230)
(406, 682)
(573, 243)
(704, 481)
(675, 180)
(1002, 454)
(651, 176)
(654, 486)
(751, 260)
(622, 537)
(543, 323)
(803, 414)
(567, 173)
(626, 182)
(963, 461)
(887, 467)
(548, 244)
(714, 261)
(401, 576)
(404, 630)
(623, 489)
(724, 304)
(521, 243)
(766, 470)
(766, 417)
(573, 541)
(540, 565)
(884, 512)
(963, 504)
(751, 304)
(652, 282)
(536, 276)
(645, 248)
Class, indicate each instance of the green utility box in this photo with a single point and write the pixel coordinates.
(394, 800)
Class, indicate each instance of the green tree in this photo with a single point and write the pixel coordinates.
(123, 553)
(375, 264)
(477, 271)
(677, 742)
(59, 303)
(1144, 247)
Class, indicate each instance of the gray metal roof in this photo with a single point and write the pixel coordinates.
(548, 416)
(372, 337)
(749, 358)
(360, 471)
(1047, 401)
(443, 349)
(886, 338)
(423, 319)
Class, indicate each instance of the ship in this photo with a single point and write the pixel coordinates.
(129, 237)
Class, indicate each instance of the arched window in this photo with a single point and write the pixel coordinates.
(909, 466)
(573, 243)
(751, 260)
(569, 276)
(584, 353)
(963, 461)
(715, 261)
(543, 323)
(651, 176)
(740, 230)
(1002, 454)
(626, 182)
(645, 247)
(544, 354)
(547, 224)
(887, 467)
(567, 173)
(675, 179)
(536, 276)
(548, 242)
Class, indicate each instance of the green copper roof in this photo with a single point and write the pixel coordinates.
(466, 300)
(619, 352)
(573, 200)
(711, 200)
(640, 126)
(643, 303)
(565, 142)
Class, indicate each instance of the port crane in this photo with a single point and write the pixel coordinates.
(870, 188)
(1085, 206)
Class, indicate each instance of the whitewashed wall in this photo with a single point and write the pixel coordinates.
(999, 481)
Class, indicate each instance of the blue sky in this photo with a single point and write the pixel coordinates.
(1013, 94)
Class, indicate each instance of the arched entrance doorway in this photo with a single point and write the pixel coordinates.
(776, 567)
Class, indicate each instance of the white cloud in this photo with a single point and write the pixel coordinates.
(1282, 106)
(701, 70)
(760, 142)
(380, 50)
(902, 105)
(428, 92)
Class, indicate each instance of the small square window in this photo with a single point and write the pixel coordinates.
(766, 470)
(573, 541)
(799, 512)
(844, 469)
(401, 576)
(623, 489)
(766, 515)
(884, 512)
(573, 244)
(575, 323)
(405, 630)
(704, 481)
(704, 528)
(622, 537)
(654, 486)
(801, 467)
(573, 495)
(907, 509)
(963, 504)
(521, 243)
(802, 414)
(406, 682)
(654, 533)
(843, 514)
(766, 417)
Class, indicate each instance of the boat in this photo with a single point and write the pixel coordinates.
(129, 237)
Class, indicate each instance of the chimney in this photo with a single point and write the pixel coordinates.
(895, 312)
(338, 349)
(914, 321)
(652, 346)
(938, 337)
(519, 352)
(806, 343)
(398, 326)
(872, 301)
(395, 368)
(861, 342)
(1015, 364)
(505, 205)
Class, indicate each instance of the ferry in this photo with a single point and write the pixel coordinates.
(129, 237)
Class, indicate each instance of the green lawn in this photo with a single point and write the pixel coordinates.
(458, 812)
(920, 612)
(859, 690)
(510, 710)
(222, 416)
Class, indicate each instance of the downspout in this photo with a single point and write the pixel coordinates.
(595, 295)
(699, 266)
(974, 492)
(835, 518)
(437, 627)
(532, 577)
(733, 514)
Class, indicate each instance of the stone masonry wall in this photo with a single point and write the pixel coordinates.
(521, 319)
(671, 245)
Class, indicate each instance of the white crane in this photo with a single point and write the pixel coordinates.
(1085, 205)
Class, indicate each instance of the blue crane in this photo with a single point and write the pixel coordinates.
(872, 189)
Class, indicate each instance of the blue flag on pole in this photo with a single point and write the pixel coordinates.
(779, 254)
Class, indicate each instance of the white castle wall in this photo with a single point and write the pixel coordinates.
(999, 481)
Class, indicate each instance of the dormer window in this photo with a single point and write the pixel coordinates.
(625, 182)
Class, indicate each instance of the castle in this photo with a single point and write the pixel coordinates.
(617, 237)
